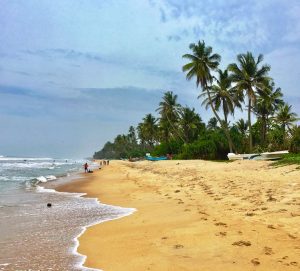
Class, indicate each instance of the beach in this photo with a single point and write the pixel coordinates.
(194, 215)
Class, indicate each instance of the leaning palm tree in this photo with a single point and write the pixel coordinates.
(223, 97)
(190, 124)
(202, 63)
(248, 77)
(169, 111)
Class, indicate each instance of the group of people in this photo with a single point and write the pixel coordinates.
(102, 162)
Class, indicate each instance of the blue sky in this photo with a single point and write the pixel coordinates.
(74, 73)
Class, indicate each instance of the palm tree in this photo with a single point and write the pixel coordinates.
(202, 63)
(147, 130)
(286, 118)
(223, 97)
(242, 126)
(212, 124)
(190, 124)
(131, 135)
(249, 77)
(169, 110)
(267, 103)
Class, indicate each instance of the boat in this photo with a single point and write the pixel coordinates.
(151, 158)
(273, 155)
(245, 156)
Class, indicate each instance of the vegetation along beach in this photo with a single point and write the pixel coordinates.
(159, 135)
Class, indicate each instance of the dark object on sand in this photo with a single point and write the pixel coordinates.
(49, 205)
(90, 171)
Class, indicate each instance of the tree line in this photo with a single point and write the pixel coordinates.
(180, 131)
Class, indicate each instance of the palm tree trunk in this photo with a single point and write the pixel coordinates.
(225, 128)
(250, 128)
(175, 130)
(263, 129)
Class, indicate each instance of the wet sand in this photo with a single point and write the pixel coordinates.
(195, 215)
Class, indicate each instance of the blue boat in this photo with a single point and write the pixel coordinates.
(151, 158)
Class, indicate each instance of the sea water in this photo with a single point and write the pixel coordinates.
(34, 236)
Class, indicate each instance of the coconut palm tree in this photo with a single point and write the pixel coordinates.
(242, 126)
(147, 130)
(202, 63)
(223, 97)
(190, 124)
(212, 124)
(267, 103)
(286, 118)
(248, 77)
(169, 111)
(131, 135)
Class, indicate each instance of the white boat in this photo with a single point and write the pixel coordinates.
(273, 155)
(245, 156)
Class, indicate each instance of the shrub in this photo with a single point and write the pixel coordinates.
(202, 149)
(295, 141)
(172, 147)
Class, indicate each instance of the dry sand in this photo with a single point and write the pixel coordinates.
(195, 215)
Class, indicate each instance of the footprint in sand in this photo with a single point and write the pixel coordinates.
(271, 227)
(221, 224)
(221, 233)
(178, 246)
(242, 243)
(292, 236)
(268, 251)
(255, 261)
(270, 198)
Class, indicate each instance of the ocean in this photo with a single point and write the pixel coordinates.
(34, 236)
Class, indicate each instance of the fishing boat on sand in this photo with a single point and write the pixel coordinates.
(273, 155)
(245, 156)
(255, 156)
(151, 158)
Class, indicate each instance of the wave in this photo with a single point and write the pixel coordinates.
(7, 158)
(41, 179)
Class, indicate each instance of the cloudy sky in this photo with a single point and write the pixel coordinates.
(75, 73)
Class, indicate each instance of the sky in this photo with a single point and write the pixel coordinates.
(75, 73)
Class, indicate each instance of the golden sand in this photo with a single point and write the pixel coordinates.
(195, 215)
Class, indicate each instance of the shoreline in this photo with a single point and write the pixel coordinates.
(64, 188)
(191, 214)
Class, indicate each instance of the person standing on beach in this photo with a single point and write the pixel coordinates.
(86, 166)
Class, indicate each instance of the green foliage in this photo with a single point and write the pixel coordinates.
(288, 159)
(171, 147)
(275, 138)
(201, 149)
(180, 131)
(295, 141)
